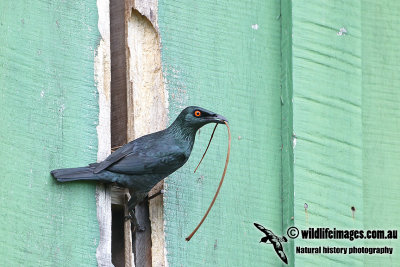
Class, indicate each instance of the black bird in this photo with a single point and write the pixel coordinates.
(274, 240)
(139, 165)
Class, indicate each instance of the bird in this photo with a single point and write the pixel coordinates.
(274, 240)
(140, 164)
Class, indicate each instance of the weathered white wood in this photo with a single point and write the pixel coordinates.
(103, 200)
(147, 113)
(148, 8)
(103, 76)
(129, 258)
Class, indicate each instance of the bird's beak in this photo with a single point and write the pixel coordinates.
(219, 118)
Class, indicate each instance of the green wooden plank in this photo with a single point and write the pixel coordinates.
(346, 121)
(287, 125)
(48, 116)
(381, 123)
(327, 123)
(225, 56)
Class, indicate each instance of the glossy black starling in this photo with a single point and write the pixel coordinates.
(142, 163)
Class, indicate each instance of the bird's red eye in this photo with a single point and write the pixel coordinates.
(197, 113)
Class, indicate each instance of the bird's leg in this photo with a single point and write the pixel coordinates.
(131, 208)
(136, 225)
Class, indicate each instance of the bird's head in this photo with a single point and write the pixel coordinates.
(196, 117)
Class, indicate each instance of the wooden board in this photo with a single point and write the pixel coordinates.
(345, 119)
(381, 123)
(337, 126)
(225, 57)
(327, 123)
(48, 118)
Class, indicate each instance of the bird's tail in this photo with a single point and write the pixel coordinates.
(74, 174)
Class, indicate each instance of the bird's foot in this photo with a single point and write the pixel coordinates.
(135, 225)
(156, 194)
(139, 228)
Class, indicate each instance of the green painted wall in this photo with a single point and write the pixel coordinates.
(297, 80)
(381, 122)
(278, 70)
(48, 120)
(327, 123)
(214, 58)
(346, 120)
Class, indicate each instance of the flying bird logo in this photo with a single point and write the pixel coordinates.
(273, 239)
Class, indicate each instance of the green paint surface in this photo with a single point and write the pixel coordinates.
(327, 124)
(313, 95)
(287, 124)
(381, 123)
(48, 119)
(225, 56)
(282, 75)
(346, 124)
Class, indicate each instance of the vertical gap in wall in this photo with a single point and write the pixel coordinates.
(147, 113)
(117, 235)
(118, 74)
(141, 108)
(121, 240)
(287, 133)
(138, 107)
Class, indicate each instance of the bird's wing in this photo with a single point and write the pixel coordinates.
(282, 239)
(115, 157)
(279, 250)
(150, 162)
(263, 229)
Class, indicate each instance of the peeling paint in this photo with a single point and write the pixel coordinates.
(342, 31)
(102, 78)
(102, 69)
(147, 94)
(254, 26)
(294, 140)
(148, 8)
